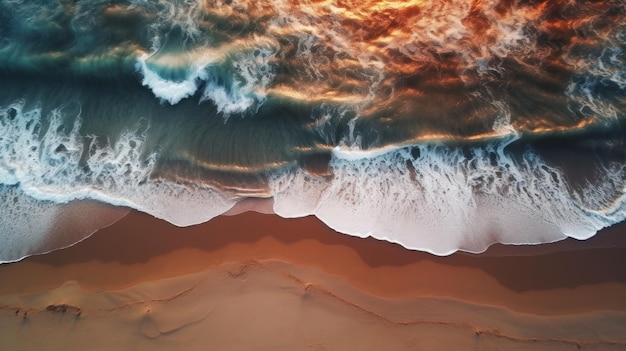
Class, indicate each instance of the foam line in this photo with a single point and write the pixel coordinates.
(45, 162)
(443, 199)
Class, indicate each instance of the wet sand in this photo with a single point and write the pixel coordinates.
(567, 295)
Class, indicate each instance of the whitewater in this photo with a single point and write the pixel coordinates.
(440, 126)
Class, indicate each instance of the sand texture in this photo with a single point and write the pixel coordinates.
(256, 281)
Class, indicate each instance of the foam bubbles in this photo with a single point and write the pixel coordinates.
(429, 197)
(441, 199)
(45, 161)
(250, 77)
(587, 93)
(169, 90)
(25, 222)
(31, 226)
(233, 81)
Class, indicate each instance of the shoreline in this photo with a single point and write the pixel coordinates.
(259, 281)
(274, 305)
(564, 277)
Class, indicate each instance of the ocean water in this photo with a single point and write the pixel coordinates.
(437, 125)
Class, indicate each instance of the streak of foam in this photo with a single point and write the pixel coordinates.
(445, 30)
(235, 75)
(252, 74)
(443, 199)
(234, 79)
(601, 71)
(45, 161)
(169, 90)
(168, 15)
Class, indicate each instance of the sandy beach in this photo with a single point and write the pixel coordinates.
(301, 175)
(237, 281)
(146, 279)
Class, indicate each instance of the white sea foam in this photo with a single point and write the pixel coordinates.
(598, 73)
(444, 31)
(430, 197)
(186, 16)
(235, 75)
(603, 68)
(252, 74)
(169, 90)
(234, 83)
(445, 200)
(24, 223)
(44, 162)
(587, 102)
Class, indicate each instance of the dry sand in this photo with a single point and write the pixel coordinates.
(257, 281)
